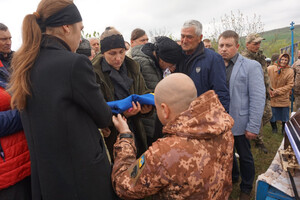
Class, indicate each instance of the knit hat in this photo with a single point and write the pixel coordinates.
(168, 50)
(84, 47)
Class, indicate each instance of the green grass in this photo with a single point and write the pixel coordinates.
(262, 161)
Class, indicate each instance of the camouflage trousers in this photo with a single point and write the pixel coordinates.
(297, 102)
(265, 119)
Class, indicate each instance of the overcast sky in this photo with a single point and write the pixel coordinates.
(125, 15)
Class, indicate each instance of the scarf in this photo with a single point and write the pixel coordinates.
(122, 83)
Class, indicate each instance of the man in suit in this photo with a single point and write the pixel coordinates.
(245, 80)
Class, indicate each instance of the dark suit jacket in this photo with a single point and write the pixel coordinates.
(61, 122)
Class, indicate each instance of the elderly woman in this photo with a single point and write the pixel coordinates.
(119, 76)
(62, 107)
(282, 81)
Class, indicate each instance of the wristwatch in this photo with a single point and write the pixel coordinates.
(126, 135)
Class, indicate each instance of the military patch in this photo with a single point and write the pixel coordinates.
(134, 172)
(141, 161)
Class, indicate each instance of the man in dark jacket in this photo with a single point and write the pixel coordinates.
(205, 67)
(14, 154)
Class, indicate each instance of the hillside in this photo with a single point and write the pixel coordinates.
(282, 33)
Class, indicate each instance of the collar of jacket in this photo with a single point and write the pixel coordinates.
(52, 42)
(9, 56)
(199, 52)
(185, 65)
(205, 118)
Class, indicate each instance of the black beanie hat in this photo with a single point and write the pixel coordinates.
(168, 50)
(84, 47)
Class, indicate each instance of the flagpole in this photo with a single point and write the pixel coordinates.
(292, 58)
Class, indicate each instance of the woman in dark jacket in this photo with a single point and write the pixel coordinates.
(119, 76)
(61, 107)
(155, 61)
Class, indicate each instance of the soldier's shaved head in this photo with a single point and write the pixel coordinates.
(177, 91)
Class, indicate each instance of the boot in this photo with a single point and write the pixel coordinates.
(283, 130)
(274, 127)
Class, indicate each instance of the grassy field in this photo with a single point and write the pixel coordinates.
(262, 161)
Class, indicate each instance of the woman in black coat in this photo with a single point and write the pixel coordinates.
(61, 107)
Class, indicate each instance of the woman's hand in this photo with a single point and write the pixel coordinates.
(135, 109)
(272, 93)
(121, 124)
(146, 109)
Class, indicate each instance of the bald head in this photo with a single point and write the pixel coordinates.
(177, 91)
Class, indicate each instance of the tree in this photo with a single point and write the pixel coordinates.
(238, 22)
(159, 32)
(89, 35)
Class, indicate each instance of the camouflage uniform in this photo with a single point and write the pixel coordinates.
(296, 68)
(259, 57)
(192, 161)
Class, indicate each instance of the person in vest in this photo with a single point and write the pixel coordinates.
(14, 153)
(62, 107)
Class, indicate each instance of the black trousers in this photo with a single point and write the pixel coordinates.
(19, 191)
(247, 169)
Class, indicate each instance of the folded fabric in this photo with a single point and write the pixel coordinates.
(122, 105)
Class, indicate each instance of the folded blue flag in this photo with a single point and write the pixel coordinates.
(122, 105)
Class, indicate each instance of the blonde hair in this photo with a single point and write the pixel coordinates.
(24, 58)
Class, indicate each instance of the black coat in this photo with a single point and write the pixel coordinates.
(61, 122)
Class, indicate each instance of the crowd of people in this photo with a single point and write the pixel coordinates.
(60, 140)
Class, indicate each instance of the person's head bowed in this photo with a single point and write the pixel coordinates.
(58, 18)
(113, 47)
(173, 95)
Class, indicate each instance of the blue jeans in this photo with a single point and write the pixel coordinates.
(247, 169)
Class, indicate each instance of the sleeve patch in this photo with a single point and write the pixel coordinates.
(141, 161)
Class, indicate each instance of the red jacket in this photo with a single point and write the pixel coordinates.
(15, 165)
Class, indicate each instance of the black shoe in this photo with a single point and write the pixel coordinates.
(262, 147)
(274, 127)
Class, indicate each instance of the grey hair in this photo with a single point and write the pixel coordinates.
(94, 38)
(194, 23)
(3, 27)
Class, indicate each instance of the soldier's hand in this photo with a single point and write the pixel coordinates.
(106, 132)
(120, 123)
(250, 136)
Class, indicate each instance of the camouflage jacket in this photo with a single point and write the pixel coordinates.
(296, 68)
(261, 58)
(192, 161)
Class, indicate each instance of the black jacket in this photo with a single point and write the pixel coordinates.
(61, 122)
